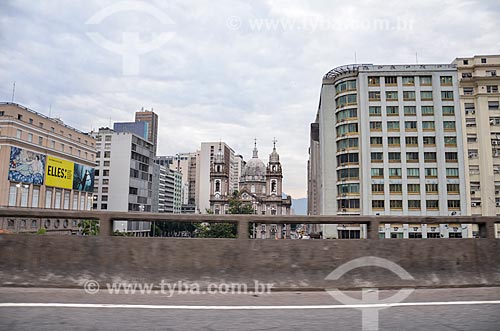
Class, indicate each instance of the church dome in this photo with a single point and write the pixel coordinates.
(255, 169)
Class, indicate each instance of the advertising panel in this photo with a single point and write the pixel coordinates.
(59, 173)
(26, 166)
(83, 178)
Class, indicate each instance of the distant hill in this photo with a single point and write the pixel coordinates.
(299, 206)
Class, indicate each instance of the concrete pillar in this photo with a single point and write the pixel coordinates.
(242, 229)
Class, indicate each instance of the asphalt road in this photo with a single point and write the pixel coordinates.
(425, 309)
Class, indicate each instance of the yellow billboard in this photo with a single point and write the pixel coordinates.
(59, 173)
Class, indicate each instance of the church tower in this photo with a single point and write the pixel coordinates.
(274, 175)
(219, 184)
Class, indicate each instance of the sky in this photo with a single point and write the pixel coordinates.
(220, 70)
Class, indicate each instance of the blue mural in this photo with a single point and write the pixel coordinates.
(26, 166)
(83, 178)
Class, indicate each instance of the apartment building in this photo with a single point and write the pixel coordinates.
(479, 78)
(388, 140)
(124, 176)
(44, 163)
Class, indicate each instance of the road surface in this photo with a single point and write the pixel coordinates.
(72, 309)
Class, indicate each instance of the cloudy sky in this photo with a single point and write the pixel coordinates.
(230, 70)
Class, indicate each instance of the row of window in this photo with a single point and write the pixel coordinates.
(414, 188)
(412, 141)
(408, 96)
(413, 172)
(61, 198)
(414, 204)
(409, 80)
(413, 156)
(395, 126)
(410, 110)
(396, 204)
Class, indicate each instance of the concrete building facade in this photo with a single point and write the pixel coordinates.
(44, 163)
(389, 142)
(479, 78)
(124, 176)
(151, 118)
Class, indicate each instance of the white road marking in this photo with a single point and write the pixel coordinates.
(131, 306)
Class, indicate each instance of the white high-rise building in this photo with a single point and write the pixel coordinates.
(124, 176)
(389, 141)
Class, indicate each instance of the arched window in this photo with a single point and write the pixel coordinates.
(273, 186)
(217, 186)
(252, 189)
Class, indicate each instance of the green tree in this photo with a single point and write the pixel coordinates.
(89, 227)
(215, 230)
(236, 206)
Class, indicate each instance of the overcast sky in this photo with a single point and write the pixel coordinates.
(229, 70)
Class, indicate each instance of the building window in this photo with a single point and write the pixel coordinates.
(375, 141)
(451, 156)
(394, 141)
(492, 89)
(378, 204)
(48, 198)
(374, 81)
(396, 204)
(395, 188)
(408, 95)
(377, 172)
(427, 110)
(375, 111)
(393, 126)
(426, 80)
(374, 96)
(429, 141)
(426, 95)
(413, 204)
(432, 204)
(410, 110)
(378, 188)
(431, 188)
(18, 134)
(450, 141)
(30, 137)
(446, 95)
(483, 60)
(394, 172)
(446, 81)
(375, 126)
(413, 172)
(493, 105)
(453, 188)
(12, 195)
(448, 110)
(377, 156)
(75, 201)
(57, 200)
(431, 172)
(428, 125)
(411, 156)
(35, 195)
(411, 126)
(413, 188)
(449, 125)
(391, 95)
(392, 110)
(391, 80)
(411, 141)
(452, 172)
(408, 80)
(468, 90)
(66, 200)
(430, 156)
(453, 204)
(40, 141)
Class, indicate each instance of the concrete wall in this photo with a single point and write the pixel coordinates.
(31, 260)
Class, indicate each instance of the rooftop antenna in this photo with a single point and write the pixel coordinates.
(50, 109)
(13, 91)
(355, 60)
(274, 142)
(416, 57)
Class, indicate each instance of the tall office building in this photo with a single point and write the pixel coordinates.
(167, 189)
(151, 118)
(44, 163)
(389, 141)
(124, 176)
(479, 78)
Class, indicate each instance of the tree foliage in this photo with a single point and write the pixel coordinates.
(89, 227)
(237, 206)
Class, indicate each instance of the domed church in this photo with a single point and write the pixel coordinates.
(259, 185)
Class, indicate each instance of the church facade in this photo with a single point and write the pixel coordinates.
(260, 185)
